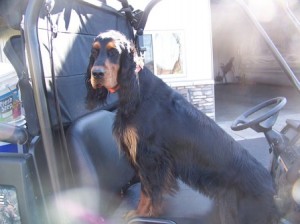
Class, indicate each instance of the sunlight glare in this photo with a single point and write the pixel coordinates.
(76, 206)
(264, 10)
(296, 191)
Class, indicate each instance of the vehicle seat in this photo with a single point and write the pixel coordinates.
(96, 161)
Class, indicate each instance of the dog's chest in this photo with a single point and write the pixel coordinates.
(127, 137)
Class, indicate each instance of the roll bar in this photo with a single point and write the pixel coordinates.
(36, 72)
(138, 18)
(289, 12)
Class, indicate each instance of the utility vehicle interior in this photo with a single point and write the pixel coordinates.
(70, 169)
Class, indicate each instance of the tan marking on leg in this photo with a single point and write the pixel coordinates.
(130, 139)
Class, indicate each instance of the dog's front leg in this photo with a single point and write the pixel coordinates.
(228, 207)
(145, 207)
(158, 176)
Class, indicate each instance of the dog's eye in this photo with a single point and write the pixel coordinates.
(95, 52)
(112, 52)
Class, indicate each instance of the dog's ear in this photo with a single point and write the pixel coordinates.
(127, 65)
(94, 97)
(128, 80)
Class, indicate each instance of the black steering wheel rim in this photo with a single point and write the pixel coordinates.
(241, 123)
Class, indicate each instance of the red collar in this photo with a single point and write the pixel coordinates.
(114, 89)
(138, 69)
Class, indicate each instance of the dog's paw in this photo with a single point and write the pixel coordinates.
(131, 214)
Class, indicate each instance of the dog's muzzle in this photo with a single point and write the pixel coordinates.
(97, 74)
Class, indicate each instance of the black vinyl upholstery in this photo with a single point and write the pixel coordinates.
(95, 158)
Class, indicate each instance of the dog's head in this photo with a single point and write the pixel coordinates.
(112, 54)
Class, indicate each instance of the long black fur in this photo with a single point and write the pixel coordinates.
(175, 140)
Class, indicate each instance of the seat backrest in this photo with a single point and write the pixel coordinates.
(95, 158)
(76, 24)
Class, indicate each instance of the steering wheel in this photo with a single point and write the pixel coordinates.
(242, 122)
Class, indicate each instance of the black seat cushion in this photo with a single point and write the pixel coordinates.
(96, 161)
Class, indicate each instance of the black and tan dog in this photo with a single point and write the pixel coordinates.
(166, 138)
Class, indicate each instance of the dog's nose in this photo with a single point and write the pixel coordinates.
(98, 73)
